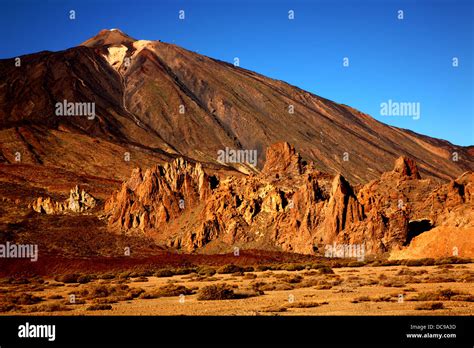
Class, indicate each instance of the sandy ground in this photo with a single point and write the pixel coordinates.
(348, 284)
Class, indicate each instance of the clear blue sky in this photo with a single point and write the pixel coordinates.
(407, 60)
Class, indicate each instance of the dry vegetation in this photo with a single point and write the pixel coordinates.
(321, 288)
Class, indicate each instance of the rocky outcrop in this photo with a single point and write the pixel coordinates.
(151, 199)
(78, 202)
(281, 159)
(406, 168)
(288, 206)
(342, 208)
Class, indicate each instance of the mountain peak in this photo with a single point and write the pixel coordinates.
(109, 37)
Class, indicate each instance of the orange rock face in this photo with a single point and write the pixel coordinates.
(289, 206)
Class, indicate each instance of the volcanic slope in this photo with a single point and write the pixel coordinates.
(157, 101)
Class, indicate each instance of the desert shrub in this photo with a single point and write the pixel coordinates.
(440, 295)
(409, 290)
(21, 299)
(83, 279)
(174, 290)
(305, 304)
(370, 281)
(206, 271)
(106, 276)
(246, 293)
(211, 279)
(391, 262)
(141, 272)
(216, 292)
(325, 270)
(406, 271)
(289, 278)
(428, 262)
(353, 278)
(250, 276)
(55, 297)
(169, 290)
(463, 297)
(452, 260)
(99, 307)
(257, 286)
(104, 290)
(394, 283)
(291, 267)
(356, 264)
(184, 270)
(412, 263)
(123, 275)
(278, 286)
(229, 269)
(140, 280)
(385, 298)
(7, 307)
(67, 278)
(361, 299)
(338, 264)
(439, 278)
(99, 291)
(135, 292)
(326, 286)
(269, 287)
(262, 268)
(105, 300)
(311, 273)
(375, 263)
(467, 277)
(274, 309)
(37, 280)
(49, 307)
(430, 306)
(309, 282)
(164, 273)
(19, 281)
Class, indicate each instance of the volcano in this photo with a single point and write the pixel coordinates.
(157, 105)
(158, 101)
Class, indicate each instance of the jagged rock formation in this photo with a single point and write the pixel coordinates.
(406, 168)
(289, 206)
(282, 159)
(78, 202)
(159, 195)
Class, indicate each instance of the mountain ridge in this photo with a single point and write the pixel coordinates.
(224, 106)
